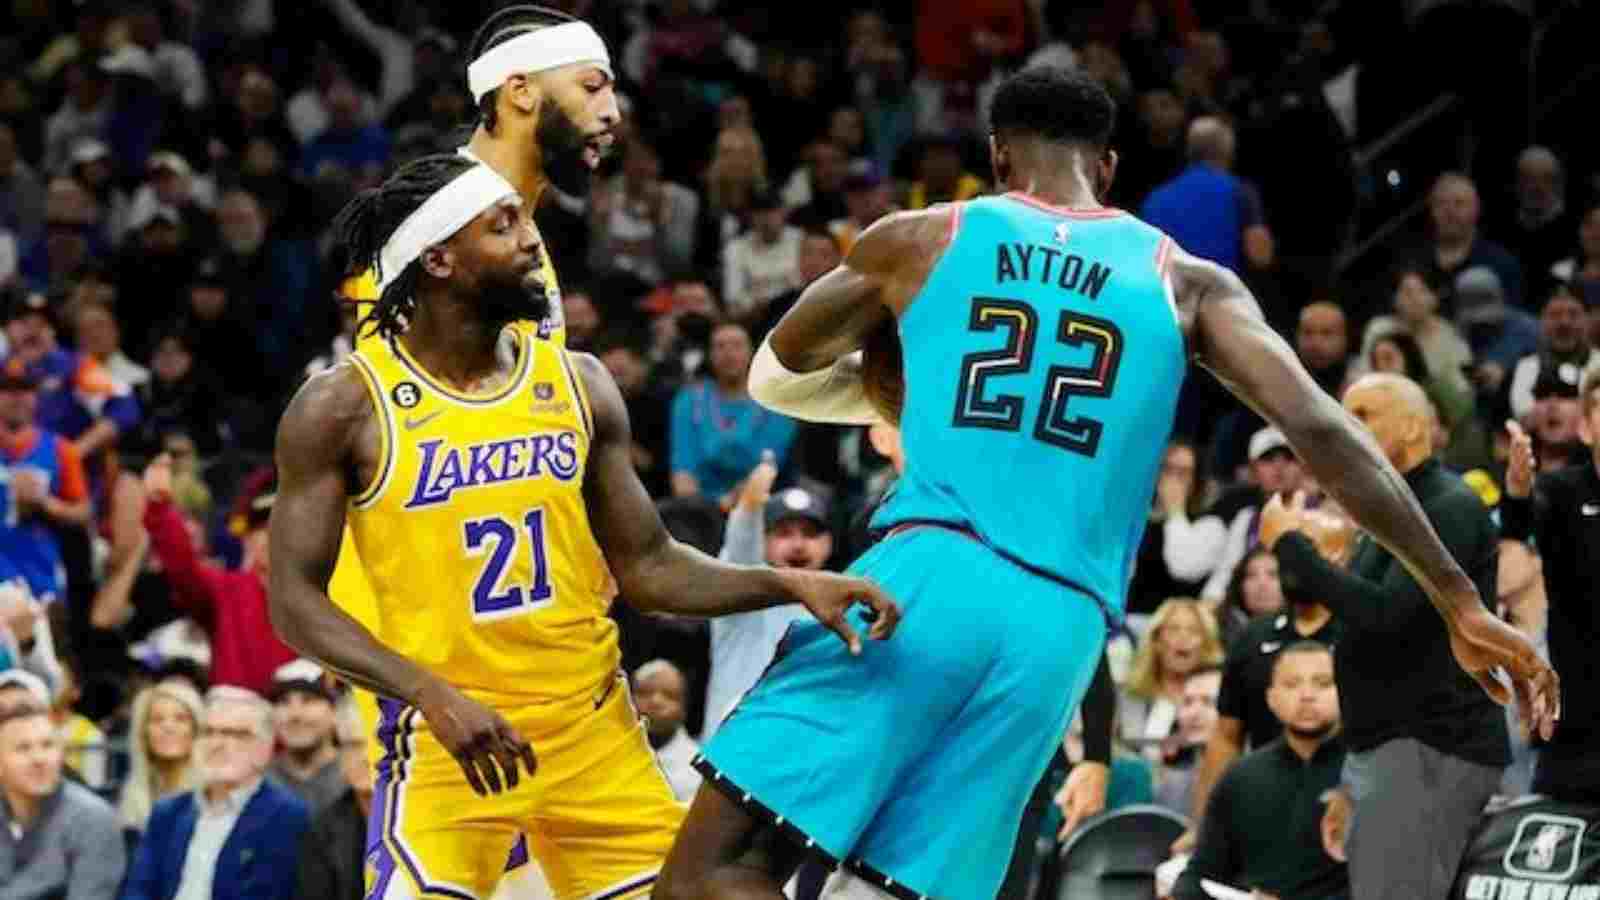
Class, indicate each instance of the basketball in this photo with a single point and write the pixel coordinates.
(881, 372)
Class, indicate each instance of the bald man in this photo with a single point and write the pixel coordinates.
(1426, 745)
(1322, 338)
(1540, 231)
(1457, 244)
(1206, 209)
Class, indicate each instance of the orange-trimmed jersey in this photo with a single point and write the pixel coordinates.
(474, 535)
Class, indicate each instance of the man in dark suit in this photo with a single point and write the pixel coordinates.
(238, 836)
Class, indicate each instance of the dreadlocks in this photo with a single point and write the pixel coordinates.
(369, 220)
(500, 27)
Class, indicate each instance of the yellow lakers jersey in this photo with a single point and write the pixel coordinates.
(474, 535)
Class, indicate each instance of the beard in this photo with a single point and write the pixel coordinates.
(1312, 734)
(514, 299)
(561, 146)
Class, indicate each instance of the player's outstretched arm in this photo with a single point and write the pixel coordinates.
(808, 367)
(1230, 337)
(659, 574)
(316, 448)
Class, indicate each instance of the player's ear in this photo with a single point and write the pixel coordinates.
(438, 261)
(1107, 166)
(522, 93)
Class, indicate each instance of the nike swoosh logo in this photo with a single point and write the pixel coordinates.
(414, 424)
(1591, 509)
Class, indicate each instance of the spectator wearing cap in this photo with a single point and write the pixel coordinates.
(21, 190)
(659, 690)
(171, 186)
(718, 432)
(303, 709)
(790, 530)
(57, 839)
(762, 263)
(1560, 512)
(238, 836)
(942, 176)
(1262, 829)
(77, 398)
(639, 222)
(332, 862)
(1499, 334)
(231, 604)
(1208, 210)
(85, 112)
(1455, 243)
(1427, 746)
(1274, 469)
(866, 199)
(45, 485)
(91, 165)
(1563, 341)
(1557, 418)
(22, 688)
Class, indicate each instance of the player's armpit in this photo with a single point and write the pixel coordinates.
(315, 447)
(884, 270)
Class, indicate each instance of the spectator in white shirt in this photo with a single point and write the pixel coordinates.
(658, 690)
(178, 72)
(1274, 469)
(1563, 340)
(790, 531)
(95, 328)
(762, 263)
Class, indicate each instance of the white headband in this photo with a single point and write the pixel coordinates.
(537, 51)
(440, 216)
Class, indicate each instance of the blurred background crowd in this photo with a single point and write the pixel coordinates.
(1408, 187)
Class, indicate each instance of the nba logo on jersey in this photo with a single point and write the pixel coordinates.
(1062, 233)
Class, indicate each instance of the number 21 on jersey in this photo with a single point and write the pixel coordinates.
(976, 408)
(500, 541)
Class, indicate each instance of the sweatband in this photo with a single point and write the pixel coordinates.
(833, 394)
(537, 51)
(440, 216)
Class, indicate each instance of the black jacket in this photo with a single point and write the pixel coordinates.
(333, 852)
(1397, 676)
(1563, 516)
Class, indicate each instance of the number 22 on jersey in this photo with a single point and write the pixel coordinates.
(978, 407)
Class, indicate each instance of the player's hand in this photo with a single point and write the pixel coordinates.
(158, 477)
(1335, 823)
(1083, 795)
(1522, 464)
(1486, 646)
(482, 742)
(829, 597)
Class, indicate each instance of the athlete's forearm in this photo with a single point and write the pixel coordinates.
(834, 394)
(307, 620)
(677, 578)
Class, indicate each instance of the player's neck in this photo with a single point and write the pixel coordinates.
(1070, 189)
(453, 343)
(515, 156)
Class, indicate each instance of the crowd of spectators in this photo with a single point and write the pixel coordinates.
(168, 172)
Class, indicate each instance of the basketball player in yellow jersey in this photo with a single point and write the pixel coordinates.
(488, 483)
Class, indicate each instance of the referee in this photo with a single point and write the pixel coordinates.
(1562, 514)
(1426, 745)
